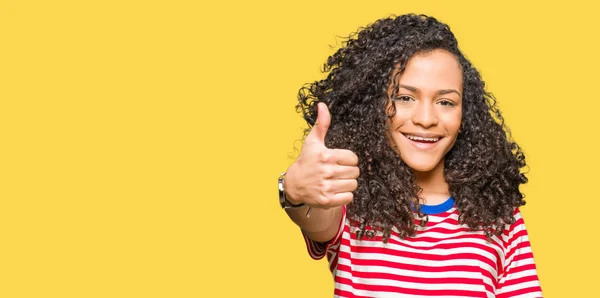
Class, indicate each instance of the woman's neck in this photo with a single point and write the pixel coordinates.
(434, 185)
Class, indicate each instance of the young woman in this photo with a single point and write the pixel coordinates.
(408, 180)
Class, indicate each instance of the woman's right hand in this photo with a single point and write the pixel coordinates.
(322, 177)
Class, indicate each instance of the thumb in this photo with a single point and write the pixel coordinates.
(323, 121)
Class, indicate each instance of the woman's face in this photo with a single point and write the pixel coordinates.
(428, 109)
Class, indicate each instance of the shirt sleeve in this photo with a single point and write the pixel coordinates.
(519, 277)
(317, 250)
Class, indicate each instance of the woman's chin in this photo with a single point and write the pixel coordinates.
(421, 167)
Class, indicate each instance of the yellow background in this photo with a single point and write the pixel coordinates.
(140, 140)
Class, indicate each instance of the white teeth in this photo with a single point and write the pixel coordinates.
(417, 138)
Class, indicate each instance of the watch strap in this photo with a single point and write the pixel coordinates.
(283, 201)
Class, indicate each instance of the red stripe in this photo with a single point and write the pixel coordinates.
(347, 294)
(515, 250)
(443, 230)
(522, 257)
(448, 220)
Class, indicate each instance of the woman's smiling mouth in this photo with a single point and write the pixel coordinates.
(422, 141)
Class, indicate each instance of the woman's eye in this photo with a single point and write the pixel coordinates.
(404, 98)
(446, 103)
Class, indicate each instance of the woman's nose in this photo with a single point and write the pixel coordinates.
(424, 114)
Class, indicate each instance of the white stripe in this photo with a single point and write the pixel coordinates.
(525, 273)
(521, 262)
(536, 294)
(519, 286)
(451, 214)
(444, 235)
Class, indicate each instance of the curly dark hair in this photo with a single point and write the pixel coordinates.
(483, 169)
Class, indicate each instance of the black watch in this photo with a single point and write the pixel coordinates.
(283, 201)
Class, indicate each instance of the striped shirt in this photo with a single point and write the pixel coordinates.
(443, 259)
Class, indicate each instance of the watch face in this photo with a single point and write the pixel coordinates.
(281, 192)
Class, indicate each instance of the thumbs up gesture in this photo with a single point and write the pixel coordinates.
(322, 177)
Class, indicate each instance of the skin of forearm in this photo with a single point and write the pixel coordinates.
(321, 225)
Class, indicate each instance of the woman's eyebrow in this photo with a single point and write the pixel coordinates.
(447, 91)
(439, 92)
(410, 88)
